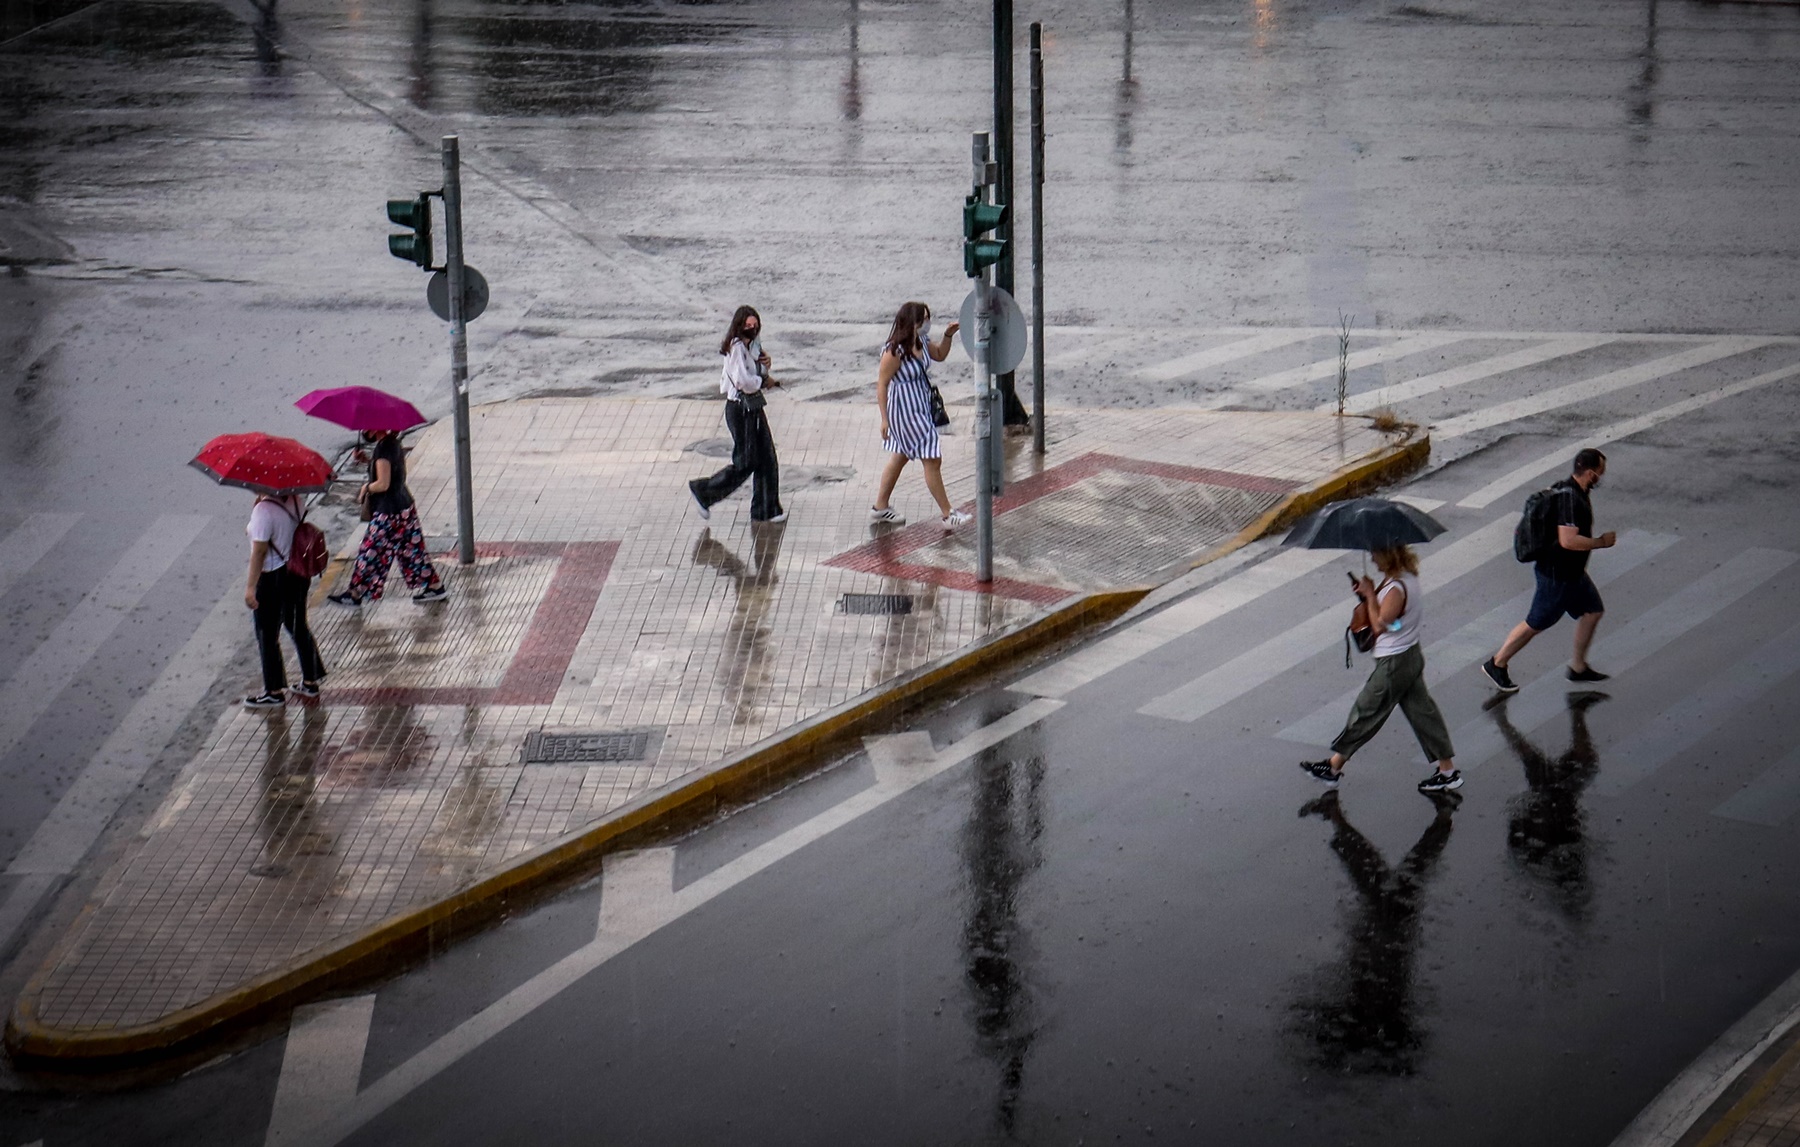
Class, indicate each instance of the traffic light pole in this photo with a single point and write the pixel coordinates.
(1037, 238)
(459, 351)
(987, 414)
(1012, 410)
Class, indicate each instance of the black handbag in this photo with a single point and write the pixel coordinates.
(939, 416)
(752, 400)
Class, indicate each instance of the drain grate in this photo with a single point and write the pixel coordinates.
(568, 748)
(873, 604)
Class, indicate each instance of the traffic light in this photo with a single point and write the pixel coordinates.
(416, 214)
(978, 219)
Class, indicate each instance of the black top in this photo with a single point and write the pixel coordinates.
(1572, 509)
(396, 498)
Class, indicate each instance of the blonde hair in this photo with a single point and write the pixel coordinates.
(1392, 560)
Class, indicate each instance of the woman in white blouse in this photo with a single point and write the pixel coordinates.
(743, 381)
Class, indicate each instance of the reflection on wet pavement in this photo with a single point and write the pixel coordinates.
(1544, 829)
(1360, 1016)
(745, 666)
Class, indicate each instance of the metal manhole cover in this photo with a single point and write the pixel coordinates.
(569, 748)
(875, 604)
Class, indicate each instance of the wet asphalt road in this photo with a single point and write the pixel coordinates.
(190, 202)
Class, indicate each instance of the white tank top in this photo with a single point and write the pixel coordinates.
(1402, 634)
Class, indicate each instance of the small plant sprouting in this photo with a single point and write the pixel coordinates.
(1386, 421)
(1343, 387)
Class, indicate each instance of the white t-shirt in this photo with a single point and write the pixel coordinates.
(739, 374)
(269, 522)
(1403, 633)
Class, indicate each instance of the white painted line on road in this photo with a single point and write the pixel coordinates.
(1418, 503)
(1215, 356)
(1094, 350)
(1574, 392)
(26, 546)
(1127, 645)
(637, 892)
(1264, 662)
(49, 669)
(1412, 388)
(1328, 367)
(1686, 722)
(321, 1068)
(1771, 799)
(897, 756)
(1474, 642)
(494, 1019)
(1636, 642)
(1520, 475)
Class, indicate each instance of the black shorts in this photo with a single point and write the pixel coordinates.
(1556, 597)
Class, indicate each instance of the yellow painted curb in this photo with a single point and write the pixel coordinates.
(753, 771)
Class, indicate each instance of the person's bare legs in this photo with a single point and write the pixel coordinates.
(1521, 636)
(1584, 636)
(934, 481)
(890, 475)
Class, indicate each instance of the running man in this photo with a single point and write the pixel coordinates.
(1563, 584)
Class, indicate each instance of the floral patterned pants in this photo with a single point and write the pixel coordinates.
(391, 536)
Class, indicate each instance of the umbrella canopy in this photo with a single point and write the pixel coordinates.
(362, 408)
(264, 463)
(1363, 524)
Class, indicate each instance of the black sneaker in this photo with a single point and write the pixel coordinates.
(1588, 674)
(431, 593)
(306, 689)
(1322, 772)
(699, 506)
(1439, 782)
(1499, 676)
(265, 700)
(346, 599)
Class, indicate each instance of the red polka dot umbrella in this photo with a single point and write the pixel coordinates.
(264, 463)
(362, 408)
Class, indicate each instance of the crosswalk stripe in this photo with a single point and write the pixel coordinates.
(1093, 350)
(1284, 651)
(1574, 392)
(320, 1067)
(1519, 475)
(49, 669)
(1771, 799)
(1328, 367)
(1455, 652)
(26, 546)
(1370, 400)
(1152, 633)
(1684, 723)
(1635, 642)
(1243, 348)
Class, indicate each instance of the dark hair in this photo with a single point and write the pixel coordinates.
(738, 318)
(903, 337)
(1588, 460)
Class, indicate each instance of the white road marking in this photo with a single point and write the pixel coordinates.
(1587, 388)
(1635, 642)
(1412, 388)
(49, 669)
(1286, 650)
(321, 1067)
(1127, 645)
(1686, 722)
(1093, 350)
(466, 1037)
(26, 546)
(1328, 367)
(1418, 503)
(897, 756)
(1520, 475)
(1771, 799)
(1243, 348)
(1456, 652)
(637, 892)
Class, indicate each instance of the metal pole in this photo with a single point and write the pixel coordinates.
(986, 432)
(1037, 237)
(1012, 410)
(459, 352)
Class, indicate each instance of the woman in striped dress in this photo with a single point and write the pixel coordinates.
(903, 392)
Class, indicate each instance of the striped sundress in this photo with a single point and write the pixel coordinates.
(910, 429)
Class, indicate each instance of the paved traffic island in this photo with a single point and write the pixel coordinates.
(612, 667)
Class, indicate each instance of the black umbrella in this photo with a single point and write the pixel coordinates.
(1363, 524)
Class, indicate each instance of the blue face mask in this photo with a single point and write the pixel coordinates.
(925, 330)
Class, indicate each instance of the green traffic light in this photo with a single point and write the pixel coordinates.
(416, 215)
(980, 218)
(982, 253)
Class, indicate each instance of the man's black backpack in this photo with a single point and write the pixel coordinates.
(1535, 537)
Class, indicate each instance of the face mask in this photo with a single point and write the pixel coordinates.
(925, 329)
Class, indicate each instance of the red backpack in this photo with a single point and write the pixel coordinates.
(309, 555)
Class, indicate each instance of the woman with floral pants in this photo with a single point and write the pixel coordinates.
(394, 532)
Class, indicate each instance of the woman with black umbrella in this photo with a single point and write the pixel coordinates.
(1396, 610)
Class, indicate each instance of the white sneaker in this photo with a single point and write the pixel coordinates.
(956, 518)
(890, 516)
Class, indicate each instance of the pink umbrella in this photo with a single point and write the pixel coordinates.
(362, 408)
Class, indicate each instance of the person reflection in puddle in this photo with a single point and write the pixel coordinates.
(1544, 830)
(1361, 1020)
(744, 664)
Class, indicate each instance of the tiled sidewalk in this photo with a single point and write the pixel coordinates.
(600, 604)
